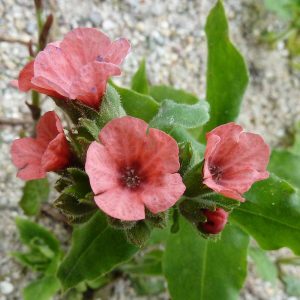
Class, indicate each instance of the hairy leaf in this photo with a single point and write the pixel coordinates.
(163, 92)
(136, 104)
(172, 114)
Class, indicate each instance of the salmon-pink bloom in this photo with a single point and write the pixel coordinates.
(216, 220)
(49, 151)
(78, 67)
(132, 169)
(234, 160)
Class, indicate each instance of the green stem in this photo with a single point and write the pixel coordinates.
(39, 20)
(35, 97)
(289, 261)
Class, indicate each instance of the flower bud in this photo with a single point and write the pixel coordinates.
(216, 220)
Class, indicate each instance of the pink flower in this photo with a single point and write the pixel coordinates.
(234, 160)
(49, 151)
(77, 67)
(216, 220)
(132, 169)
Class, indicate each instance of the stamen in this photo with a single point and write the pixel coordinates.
(216, 173)
(130, 178)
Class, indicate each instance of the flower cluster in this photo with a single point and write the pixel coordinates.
(133, 170)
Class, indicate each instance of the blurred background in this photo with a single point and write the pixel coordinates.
(170, 35)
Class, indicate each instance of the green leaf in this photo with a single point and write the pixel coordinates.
(283, 8)
(227, 75)
(44, 251)
(286, 165)
(145, 286)
(42, 289)
(34, 193)
(136, 104)
(172, 114)
(148, 264)
(200, 269)
(139, 81)
(163, 92)
(296, 145)
(96, 249)
(266, 269)
(271, 214)
(111, 107)
(29, 230)
(292, 285)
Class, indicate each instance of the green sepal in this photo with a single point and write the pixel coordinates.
(159, 220)
(139, 234)
(111, 107)
(91, 127)
(119, 224)
(76, 201)
(73, 209)
(76, 110)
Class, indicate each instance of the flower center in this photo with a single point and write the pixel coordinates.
(216, 173)
(130, 178)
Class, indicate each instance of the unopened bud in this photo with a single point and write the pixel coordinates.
(216, 220)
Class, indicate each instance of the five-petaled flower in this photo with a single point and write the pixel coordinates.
(49, 151)
(215, 220)
(78, 67)
(133, 168)
(234, 160)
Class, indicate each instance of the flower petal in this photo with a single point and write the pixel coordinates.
(26, 156)
(127, 141)
(48, 127)
(84, 45)
(241, 178)
(164, 194)
(25, 76)
(117, 51)
(101, 169)
(222, 190)
(31, 172)
(121, 203)
(24, 82)
(52, 70)
(89, 86)
(57, 154)
(251, 151)
(212, 144)
(229, 135)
